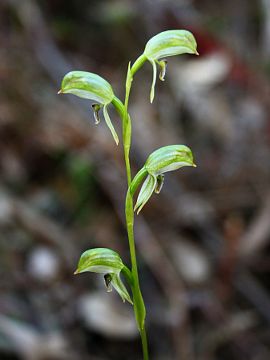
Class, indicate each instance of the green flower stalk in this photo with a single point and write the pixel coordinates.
(168, 158)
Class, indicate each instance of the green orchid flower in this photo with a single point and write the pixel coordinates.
(165, 44)
(108, 262)
(162, 160)
(90, 86)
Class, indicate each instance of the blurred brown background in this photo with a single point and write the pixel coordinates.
(203, 243)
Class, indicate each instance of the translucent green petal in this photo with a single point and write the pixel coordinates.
(147, 190)
(152, 92)
(118, 285)
(110, 125)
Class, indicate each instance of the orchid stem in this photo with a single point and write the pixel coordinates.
(139, 308)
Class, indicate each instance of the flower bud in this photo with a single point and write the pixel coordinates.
(165, 44)
(90, 86)
(108, 262)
